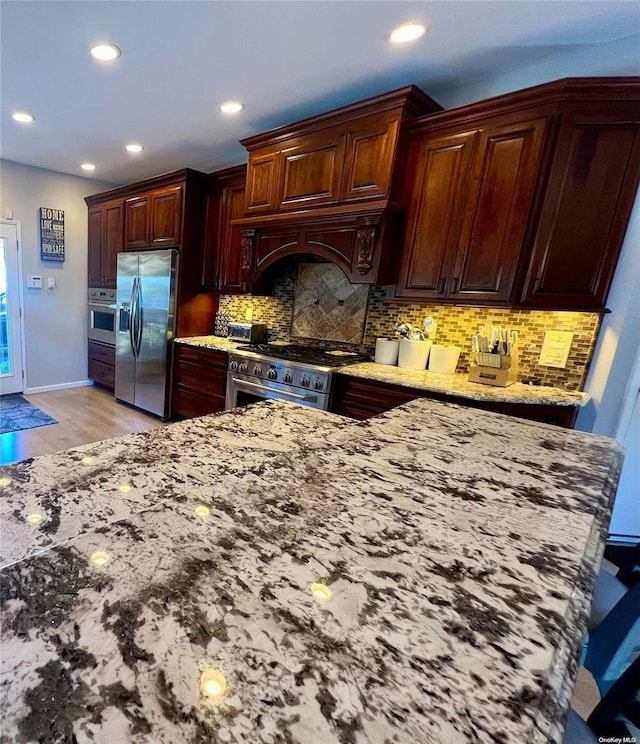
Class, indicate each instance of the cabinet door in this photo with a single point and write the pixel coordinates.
(136, 223)
(368, 162)
(503, 179)
(95, 243)
(229, 249)
(112, 245)
(165, 217)
(590, 193)
(437, 180)
(311, 172)
(262, 181)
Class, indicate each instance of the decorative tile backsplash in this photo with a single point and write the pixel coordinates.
(455, 326)
(327, 306)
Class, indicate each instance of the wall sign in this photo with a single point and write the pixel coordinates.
(51, 234)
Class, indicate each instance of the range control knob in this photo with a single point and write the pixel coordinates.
(318, 384)
(305, 381)
(288, 378)
(272, 374)
(242, 367)
(233, 365)
(257, 370)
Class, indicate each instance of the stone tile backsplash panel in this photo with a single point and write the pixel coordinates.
(455, 326)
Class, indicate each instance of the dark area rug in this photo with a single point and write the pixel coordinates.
(16, 413)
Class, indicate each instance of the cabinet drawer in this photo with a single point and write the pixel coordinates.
(198, 355)
(102, 374)
(102, 353)
(188, 403)
(212, 380)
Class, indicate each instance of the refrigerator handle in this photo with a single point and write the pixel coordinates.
(139, 300)
(132, 316)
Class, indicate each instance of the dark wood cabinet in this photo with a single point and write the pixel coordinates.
(167, 211)
(154, 219)
(104, 242)
(199, 380)
(588, 199)
(523, 199)
(222, 258)
(102, 364)
(336, 171)
(469, 194)
(361, 399)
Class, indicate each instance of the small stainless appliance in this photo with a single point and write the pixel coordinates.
(300, 374)
(145, 328)
(252, 333)
(102, 315)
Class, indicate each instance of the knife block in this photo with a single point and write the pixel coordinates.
(495, 375)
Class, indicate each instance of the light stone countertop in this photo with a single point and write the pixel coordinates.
(218, 343)
(461, 548)
(458, 385)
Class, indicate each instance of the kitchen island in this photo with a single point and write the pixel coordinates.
(459, 549)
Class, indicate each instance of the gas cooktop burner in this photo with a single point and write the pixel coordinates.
(306, 354)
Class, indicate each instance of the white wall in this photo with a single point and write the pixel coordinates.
(55, 319)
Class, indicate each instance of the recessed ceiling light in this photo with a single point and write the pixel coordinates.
(24, 117)
(231, 107)
(88, 166)
(408, 32)
(133, 147)
(105, 52)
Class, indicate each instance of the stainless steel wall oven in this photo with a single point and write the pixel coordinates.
(102, 315)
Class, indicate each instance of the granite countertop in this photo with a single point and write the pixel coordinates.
(460, 546)
(458, 385)
(218, 343)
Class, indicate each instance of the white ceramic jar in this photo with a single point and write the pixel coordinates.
(413, 354)
(386, 351)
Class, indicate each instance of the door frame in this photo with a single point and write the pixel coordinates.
(23, 350)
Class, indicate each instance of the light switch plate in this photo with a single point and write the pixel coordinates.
(51, 282)
(555, 348)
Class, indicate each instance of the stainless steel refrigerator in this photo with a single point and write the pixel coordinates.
(145, 327)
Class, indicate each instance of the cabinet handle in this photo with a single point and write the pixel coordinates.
(455, 285)
(441, 284)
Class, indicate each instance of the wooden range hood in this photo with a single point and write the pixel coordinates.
(331, 186)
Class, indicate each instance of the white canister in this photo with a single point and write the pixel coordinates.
(413, 354)
(444, 359)
(386, 351)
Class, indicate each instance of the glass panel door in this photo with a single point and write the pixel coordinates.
(10, 333)
(5, 356)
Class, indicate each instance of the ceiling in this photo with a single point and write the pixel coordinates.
(285, 60)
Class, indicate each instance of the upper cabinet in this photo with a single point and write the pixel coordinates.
(522, 199)
(153, 219)
(334, 177)
(167, 211)
(221, 269)
(468, 196)
(105, 241)
(587, 202)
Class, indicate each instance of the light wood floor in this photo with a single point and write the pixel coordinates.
(84, 415)
(89, 414)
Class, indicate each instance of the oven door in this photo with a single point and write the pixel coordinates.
(102, 323)
(242, 391)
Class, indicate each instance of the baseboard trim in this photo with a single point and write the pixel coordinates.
(61, 386)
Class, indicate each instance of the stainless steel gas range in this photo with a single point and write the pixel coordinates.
(300, 374)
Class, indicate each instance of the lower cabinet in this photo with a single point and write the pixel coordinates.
(362, 399)
(199, 380)
(102, 364)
